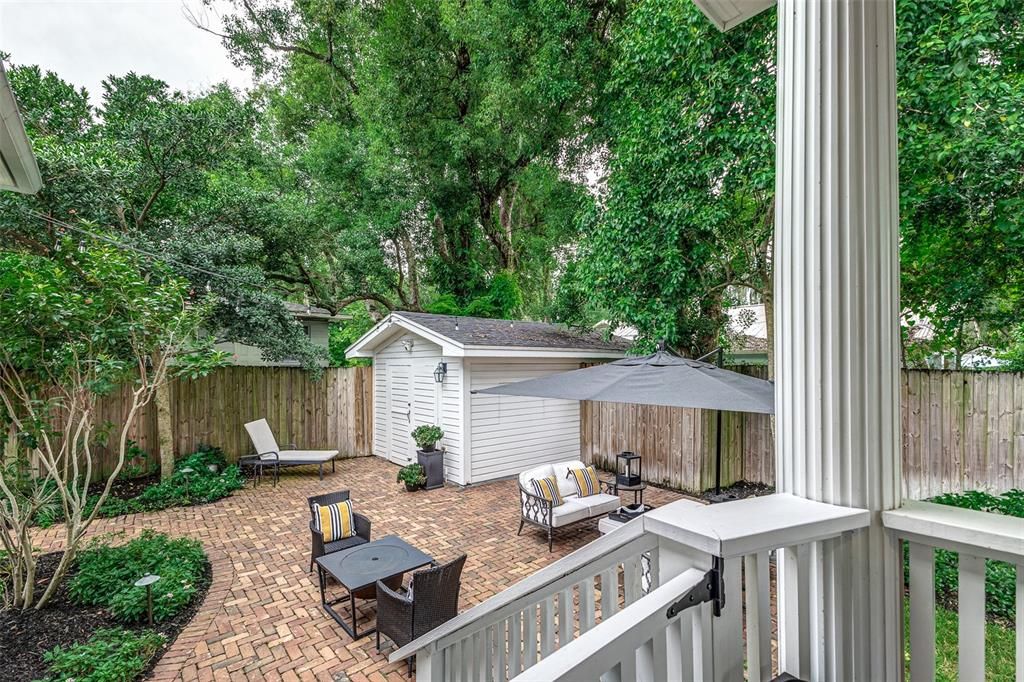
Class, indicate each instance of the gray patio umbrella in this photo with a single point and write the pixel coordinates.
(662, 378)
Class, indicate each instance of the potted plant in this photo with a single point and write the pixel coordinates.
(412, 476)
(427, 436)
(432, 460)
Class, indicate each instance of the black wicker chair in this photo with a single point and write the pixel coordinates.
(434, 600)
(319, 547)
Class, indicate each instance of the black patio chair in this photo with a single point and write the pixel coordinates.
(319, 547)
(432, 599)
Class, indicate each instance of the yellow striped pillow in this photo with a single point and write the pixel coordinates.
(334, 521)
(586, 480)
(548, 489)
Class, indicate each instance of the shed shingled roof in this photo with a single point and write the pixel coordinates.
(480, 331)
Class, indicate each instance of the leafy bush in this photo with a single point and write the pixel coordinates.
(427, 436)
(412, 475)
(106, 576)
(137, 462)
(113, 655)
(1000, 577)
(181, 490)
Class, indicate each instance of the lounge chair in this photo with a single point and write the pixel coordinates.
(268, 454)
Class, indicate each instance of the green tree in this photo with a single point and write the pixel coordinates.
(77, 325)
(961, 104)
(688, 214)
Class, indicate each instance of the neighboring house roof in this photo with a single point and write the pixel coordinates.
(18, 169)
(461, 336)
(312, 312)
(727, 14)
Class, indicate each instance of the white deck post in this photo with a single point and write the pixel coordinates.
(837, 298)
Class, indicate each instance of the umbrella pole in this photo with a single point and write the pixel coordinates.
(718, 439)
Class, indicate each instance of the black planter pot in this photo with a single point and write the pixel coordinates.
(432, 462)
(412, 487)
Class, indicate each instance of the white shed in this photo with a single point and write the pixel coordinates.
(486, 437)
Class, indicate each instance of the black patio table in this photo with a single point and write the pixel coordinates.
(359, 568)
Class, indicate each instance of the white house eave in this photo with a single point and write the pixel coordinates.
(384, 331)
(18, 169)
(538, 352)
(367, 344)
(728, 14)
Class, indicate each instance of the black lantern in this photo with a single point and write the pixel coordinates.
(441, 372)
(624, 474)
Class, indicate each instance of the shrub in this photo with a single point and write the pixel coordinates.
(1000, 577)
(113, 655)
(426, 436)
(200, 486)
(106, 576)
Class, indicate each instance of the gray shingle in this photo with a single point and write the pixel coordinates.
(479, 331)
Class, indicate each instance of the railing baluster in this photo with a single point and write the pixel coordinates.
(728, 628)
(453, 662)
(565, 619)
(609, 592)
(547, 626)
(481, 656)
(491, 655)
(971, 601)
(501, 674)
(632, 579)
(530, 638)
(586, 591)
(515, 654)
(922, 613)
(759, 626)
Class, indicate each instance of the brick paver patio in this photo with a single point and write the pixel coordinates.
(262, 620)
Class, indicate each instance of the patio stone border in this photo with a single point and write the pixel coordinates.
(172, 664)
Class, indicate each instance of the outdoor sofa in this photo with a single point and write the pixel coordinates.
(540, 512)
(269, 455)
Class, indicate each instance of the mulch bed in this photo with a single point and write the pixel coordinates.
(126, 489)
(738, 491)
(25, 636)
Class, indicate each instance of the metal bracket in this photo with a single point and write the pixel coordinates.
(710, 589)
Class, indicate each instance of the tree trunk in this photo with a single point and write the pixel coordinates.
(164, 429)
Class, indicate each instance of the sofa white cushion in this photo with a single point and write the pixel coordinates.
(565, 484)
(602, 503)
(568, 512)
(527, 476)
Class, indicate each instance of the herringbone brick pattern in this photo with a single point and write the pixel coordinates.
(262, 619)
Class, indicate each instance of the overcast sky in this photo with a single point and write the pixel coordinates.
(86, 40)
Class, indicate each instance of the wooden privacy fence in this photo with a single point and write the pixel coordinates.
(961, 431)
(334, 412)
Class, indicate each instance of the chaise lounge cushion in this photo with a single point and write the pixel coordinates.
(570, 511)
(310, 456)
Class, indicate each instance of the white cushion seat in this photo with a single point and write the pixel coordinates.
(570, 511)
(602, 503)
(311, 456)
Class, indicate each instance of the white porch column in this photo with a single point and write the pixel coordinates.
(837, 298)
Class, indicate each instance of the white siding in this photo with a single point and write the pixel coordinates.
(511, 434)
(251, 356)
(429, 403)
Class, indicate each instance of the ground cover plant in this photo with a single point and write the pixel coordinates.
(95, 628)
(107, 573)
(200, 485)
(111, 655)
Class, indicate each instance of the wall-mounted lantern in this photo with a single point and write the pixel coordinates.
(441, 372)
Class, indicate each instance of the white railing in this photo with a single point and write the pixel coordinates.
(510, 632)
(562, 624)
(975, 536)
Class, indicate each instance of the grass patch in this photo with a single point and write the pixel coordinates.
(999, 647)
(110, 655)
(106, 576)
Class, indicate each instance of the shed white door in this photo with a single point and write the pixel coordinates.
(399, 403)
